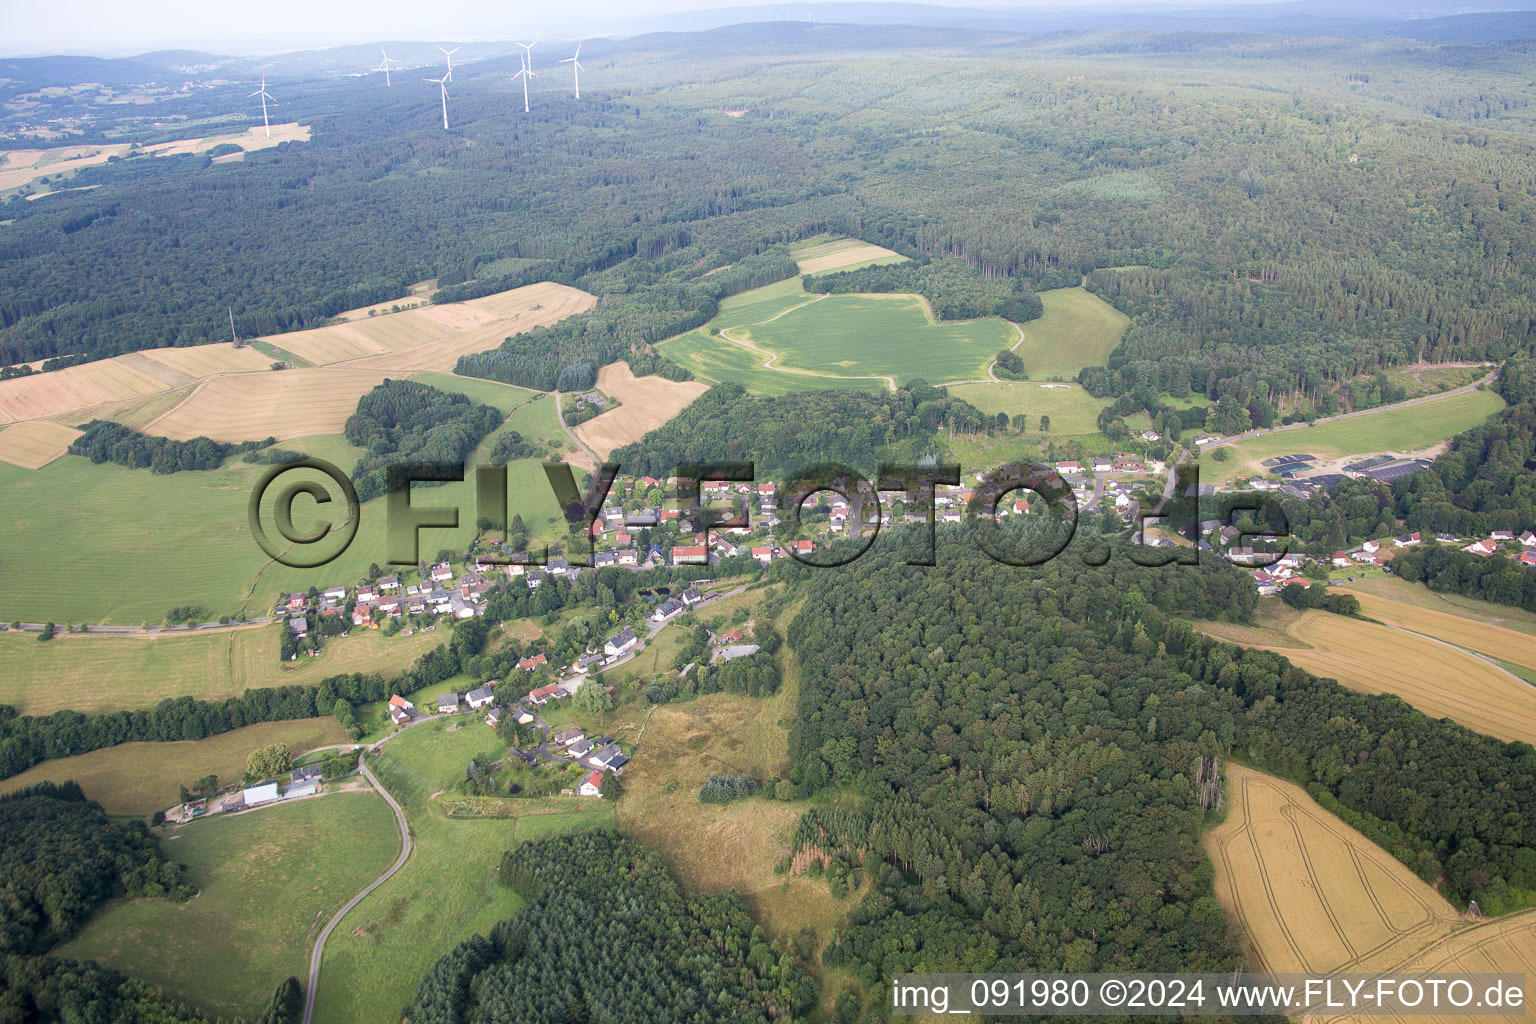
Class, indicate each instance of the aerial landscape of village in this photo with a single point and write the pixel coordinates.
(808, 512)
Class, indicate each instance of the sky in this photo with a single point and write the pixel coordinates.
(113, 28)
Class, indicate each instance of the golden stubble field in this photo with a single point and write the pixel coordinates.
(34, 444)
(844, 252)
(21, 166)
(232, 394)
(648, 403)
(1311, 894)
(1437, 678)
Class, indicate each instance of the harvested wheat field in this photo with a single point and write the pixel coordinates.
(845, 252)
(648, 402)
(248, 407)
(1436, 678)
(207, 360)
(76, 387)
(1504, 945)
(24, 165)
(1511, 646)
(1310, 893)
(34, 444)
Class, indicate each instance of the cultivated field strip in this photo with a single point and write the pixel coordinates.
(34, 444)
(1311, 893)
(1436, 678)
(237, 397)
(820, 259)
(1485, 638)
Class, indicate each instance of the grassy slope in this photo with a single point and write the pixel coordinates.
(1072, 410)
(1406, 429)
(448, 890)
(1076, 329)
(141, 778)
(108, 673)
(267, 882)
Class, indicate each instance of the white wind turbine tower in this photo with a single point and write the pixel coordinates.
(384, 65)
(449, 55)
(442, 84)
(524, 74)
(575, 69)
(265, 96)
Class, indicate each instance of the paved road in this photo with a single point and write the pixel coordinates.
(1247, 434)
(312, 989)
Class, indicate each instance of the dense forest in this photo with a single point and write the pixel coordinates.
(1025, 747)
(105, 441)
(401, 421)
(1278, 240)
(609, 935)
(953, 288)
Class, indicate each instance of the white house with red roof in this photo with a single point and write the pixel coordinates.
(592, 785)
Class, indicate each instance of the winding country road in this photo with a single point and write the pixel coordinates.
(312, 988)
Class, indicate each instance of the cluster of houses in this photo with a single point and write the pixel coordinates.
(1370, 552)
(1497, 540)
(369, 604)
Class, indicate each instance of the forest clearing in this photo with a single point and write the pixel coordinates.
(1310, 893)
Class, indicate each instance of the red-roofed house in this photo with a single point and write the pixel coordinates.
(1482, 548)
(529, 664)
(543, 694)
(764, 555)
(592, 785)
(690, 554)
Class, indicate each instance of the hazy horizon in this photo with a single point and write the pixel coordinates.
(117, 30)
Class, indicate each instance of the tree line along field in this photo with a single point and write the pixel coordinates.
(1404, 592)
(93, 673)
(449, 888)
(1311, 894)
(1484, 638)
(141, 778)
(183, 539)
(648, 403)
(1406, 429)
(1075, 329)
(267, 882)
(1071, 409)
(819, 256)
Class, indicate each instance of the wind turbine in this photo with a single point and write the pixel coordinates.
(575, 69)
(265, 96)
(449, 55)
(384, 65)
(442, 84)
(527, 54)
(524, 74)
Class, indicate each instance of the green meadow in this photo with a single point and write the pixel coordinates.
(1072, 410)
(105, 544)
(267, 882)
(1405, 429)
(95, 672)
(449, 888)
(1076, 329)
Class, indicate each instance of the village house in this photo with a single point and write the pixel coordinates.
(667, 610)
(609, 758)
(440, 572)
(580, 749)
(1528, 559)
(389, 583)
(1528, 539)
(690, 555)
(544, 694)
(592, 785)
(367, 594)
(479, 697)
(1407, 540)
(620, 643)
(628, 556)
(399, 716)
(493, 717)
(565, 737)
(1481, 548)
(448, 703)
(1501, 535)
(534, 661)
(586, 661)
(691, 598)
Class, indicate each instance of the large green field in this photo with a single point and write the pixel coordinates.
(1072, 410)
(1076, 329)
(94, 672)
(267, 882)
(141, 778)
(105, 544)
(448, 890)
(1405, 429)
(718, 361)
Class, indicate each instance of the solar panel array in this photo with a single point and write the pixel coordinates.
(1280, 462)
(1368, 464)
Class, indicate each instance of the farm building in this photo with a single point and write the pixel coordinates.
(257, 795)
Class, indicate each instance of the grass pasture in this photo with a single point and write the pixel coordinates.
(648, 403)
(35, 443)
(448, 890)
(267, 881)
(718, 361)
(1398, 431)
(1436, 678)
(1310, 893)
(1075, 329)
(141, 778)
(95, 672)
(1071, 409)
